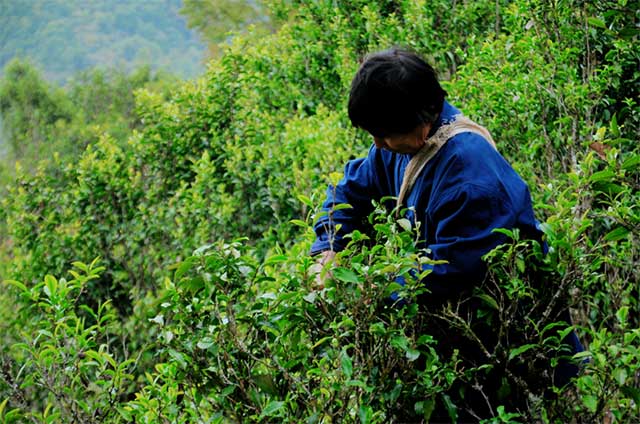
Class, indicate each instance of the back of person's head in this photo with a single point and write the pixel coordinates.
(393, 92)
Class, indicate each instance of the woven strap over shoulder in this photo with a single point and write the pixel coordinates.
(459, 125)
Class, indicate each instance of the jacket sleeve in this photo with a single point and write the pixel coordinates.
(464, 220)
(357, 188)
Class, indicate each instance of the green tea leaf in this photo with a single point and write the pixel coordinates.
(346, 364)
(631, 163)
(365, 413)
(591, 402)
(18, 285)
(405, 224)
(596, 22)
(346, 275)
(490, 301)
(205, 343)
(183, 267)
(620, 375)
(622, 315)
(520, 350)
(305, 200)
(617, 234)
(412, 354)
(605, 175)
(310, 297)
(425, 408)
(272, 408)
(341, 206)
(275, 259)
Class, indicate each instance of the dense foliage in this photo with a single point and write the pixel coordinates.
(217, 21)
(202, 308)
(41, 119)
(65, 37)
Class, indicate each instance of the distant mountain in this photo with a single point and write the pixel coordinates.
(63, 37)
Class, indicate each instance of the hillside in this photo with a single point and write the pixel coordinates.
(63, 37)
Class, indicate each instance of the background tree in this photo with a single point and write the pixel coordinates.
(40, 119)
(217, 20)
(30, 109)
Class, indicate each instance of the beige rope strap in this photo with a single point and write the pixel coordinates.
(417, 163)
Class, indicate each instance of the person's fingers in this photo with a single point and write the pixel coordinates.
(320, 269)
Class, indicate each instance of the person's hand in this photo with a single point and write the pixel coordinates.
(322, 268)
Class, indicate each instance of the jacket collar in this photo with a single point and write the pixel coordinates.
(447, 115)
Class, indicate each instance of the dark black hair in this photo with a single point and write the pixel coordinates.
(393, 92)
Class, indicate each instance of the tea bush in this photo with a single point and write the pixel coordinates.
(235, 333)
(241, 113)
(63, 367)
(243, 340)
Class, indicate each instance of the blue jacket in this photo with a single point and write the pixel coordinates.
(467, 190)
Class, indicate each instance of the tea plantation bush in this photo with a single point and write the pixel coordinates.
(201, 308)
